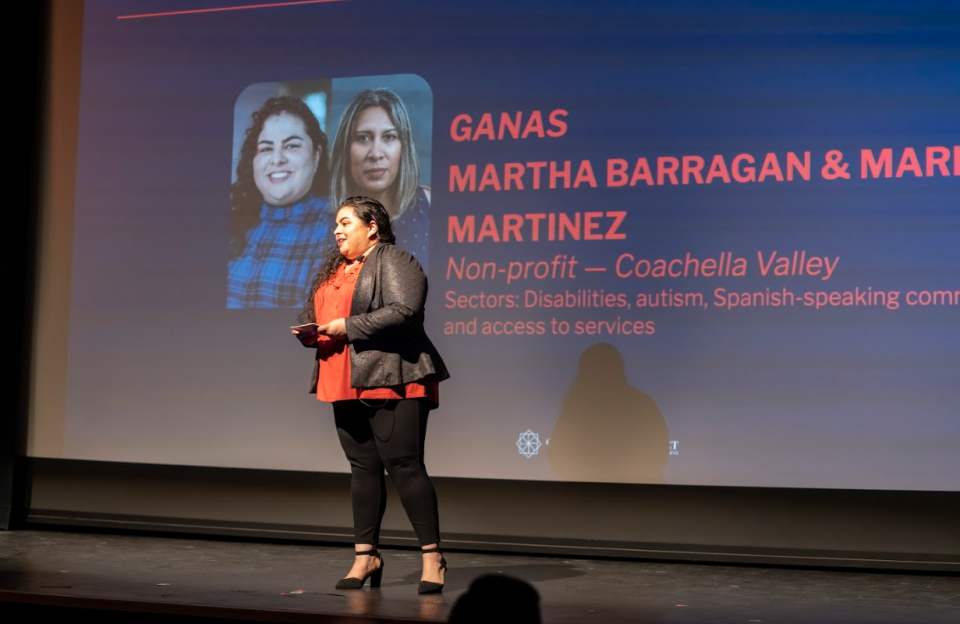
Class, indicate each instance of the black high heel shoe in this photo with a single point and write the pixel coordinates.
(429, 587)
(375, 576)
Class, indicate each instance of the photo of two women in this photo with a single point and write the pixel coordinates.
(290, 173)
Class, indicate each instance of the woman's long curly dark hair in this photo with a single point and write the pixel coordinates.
(245, 198)
(367, 210)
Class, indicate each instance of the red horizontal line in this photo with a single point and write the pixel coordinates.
(595, 269)
(232, 8)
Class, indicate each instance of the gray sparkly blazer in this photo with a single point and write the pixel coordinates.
(388, 345)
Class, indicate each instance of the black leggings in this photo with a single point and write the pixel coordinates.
(388, 435)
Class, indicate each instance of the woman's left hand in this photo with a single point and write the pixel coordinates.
(335, 329)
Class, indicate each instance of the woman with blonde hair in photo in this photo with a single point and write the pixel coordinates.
(374, 154)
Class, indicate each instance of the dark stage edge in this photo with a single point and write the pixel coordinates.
(52, 575)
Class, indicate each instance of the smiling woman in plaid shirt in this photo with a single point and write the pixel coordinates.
(280, 214)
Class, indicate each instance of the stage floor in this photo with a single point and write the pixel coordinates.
(52, 572)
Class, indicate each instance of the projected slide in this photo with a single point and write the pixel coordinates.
(683, 243)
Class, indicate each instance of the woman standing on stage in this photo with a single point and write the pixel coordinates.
(377, 367)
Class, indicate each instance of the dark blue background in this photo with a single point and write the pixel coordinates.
(847, 397)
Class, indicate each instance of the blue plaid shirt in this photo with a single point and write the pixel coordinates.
(283, 253)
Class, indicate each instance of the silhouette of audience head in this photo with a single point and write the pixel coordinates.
(497, 598)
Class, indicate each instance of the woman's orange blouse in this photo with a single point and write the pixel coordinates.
(332, 301)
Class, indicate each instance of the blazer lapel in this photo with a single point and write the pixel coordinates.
(366, 283)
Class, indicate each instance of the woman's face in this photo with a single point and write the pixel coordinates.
(354, 237)
(286, 160)
(374, 152)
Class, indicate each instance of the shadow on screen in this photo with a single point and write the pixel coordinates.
(607, 430)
